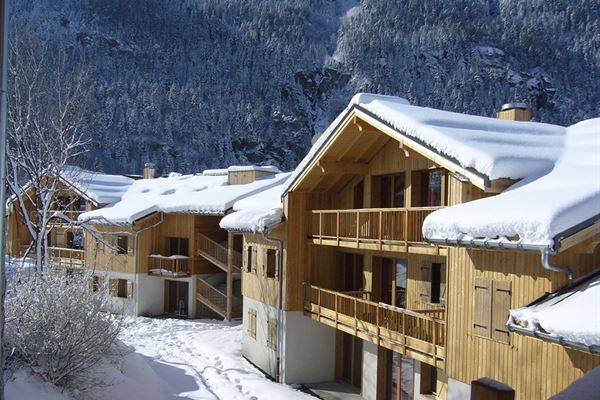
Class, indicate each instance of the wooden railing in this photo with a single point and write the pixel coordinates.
(374, 225)
(415, 334)
(66, 257)
(168, 265)
(217, 300)
(217, 253)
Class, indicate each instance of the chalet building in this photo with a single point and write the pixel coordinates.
(163, 250)
(389, 262)
(78, 191)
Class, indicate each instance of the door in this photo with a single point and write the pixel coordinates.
(387, 284)
(399, 376)
(176, 298)
(353, 272)
(350, 353)
(359, 194)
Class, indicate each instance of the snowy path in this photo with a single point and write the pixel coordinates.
(198, 360)
(170, 359)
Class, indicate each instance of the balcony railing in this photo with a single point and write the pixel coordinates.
(369, 227)
(217, 253)
(217, 300)
(66, 257)
(173, 266)
(416, 334)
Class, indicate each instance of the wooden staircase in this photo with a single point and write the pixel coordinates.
(215, 298)
(217, 254)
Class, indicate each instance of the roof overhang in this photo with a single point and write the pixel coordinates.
(356, 112)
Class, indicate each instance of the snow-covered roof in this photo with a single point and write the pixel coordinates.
(570, 315)
(491, 147)
(99, 187)
(201, 194)
(256, 213)
(537, 209)
(261, 168)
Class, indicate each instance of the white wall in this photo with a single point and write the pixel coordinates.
(309, 350)
(458, 390)
(150, 295)
(369, 371)
(256, 350)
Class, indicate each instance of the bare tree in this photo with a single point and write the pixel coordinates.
(48, 110)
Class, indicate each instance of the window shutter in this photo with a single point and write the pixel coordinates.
(443, 284)
(500, 308)
(91, 283)
(245, 265)
(482, 307)
(113, 287)
(425, 283)
(129, 289)
(254, 260)
(277, 255)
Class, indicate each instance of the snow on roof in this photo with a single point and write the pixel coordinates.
(178, 194)
(214, 172)
(99, 187)
(569, 315)
(262, 168)
(256, 213)
(493, 147)
(536, 209)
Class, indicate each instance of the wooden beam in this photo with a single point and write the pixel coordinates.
(580, 236)
(500, 185)
(343, 167)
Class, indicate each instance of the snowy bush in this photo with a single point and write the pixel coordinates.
(55, 323)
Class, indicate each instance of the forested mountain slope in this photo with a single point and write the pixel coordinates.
(190, 84)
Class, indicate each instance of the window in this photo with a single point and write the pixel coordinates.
(432, 283)
(391, 190)
(178, 246)
(271, 263)
(251, 259)
(252, 323)
(272, 334)
(428, 188)
(491, 304)
(122, 245)
(96, 283)
(122, 288)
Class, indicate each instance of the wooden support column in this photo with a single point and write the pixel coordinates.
(229, 275)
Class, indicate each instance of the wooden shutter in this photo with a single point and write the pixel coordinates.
(91, 280)
(254, 266)
(425, 284)
(129, 289)
(482, 314)
(500, 306)
(113, 287)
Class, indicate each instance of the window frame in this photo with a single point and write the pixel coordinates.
(271, 263)
(120, 248)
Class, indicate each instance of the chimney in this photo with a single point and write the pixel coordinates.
(514, 112)
(149, 170)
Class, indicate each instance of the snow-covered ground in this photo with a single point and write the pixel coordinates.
(170, 359)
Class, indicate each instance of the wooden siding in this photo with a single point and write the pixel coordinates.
(535, 368)
(256, 285)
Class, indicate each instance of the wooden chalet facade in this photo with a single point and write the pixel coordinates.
(383, 309)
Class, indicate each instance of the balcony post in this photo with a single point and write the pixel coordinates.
(355, 318)
(357, 227)
(434, 337)
(320, 228)
(405, 230)
(337, 227)
(229, 275)
(380, 236)
(336, 298)
(319, 304)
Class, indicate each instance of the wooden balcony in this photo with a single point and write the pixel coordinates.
(175, 266)
(216, 300)
(66, 257)
(419, 335)
(218, 254)
(386, 229)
